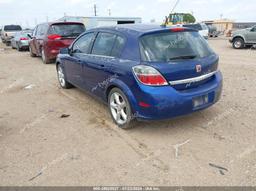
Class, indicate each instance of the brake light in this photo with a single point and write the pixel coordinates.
(54, 37)
(149, 76)
(177, 29)
(24, 38)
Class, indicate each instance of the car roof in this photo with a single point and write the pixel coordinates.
(138, 29)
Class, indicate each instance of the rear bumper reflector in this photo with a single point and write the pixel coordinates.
(193, 80)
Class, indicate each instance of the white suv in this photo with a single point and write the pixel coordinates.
(201, 27)
(8, 32)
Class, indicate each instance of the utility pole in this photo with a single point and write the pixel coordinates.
(109, 12)
(95, 10)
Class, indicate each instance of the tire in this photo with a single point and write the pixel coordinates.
(120, 109)
(44, 58)
(238, 43)
(62, 78)
(18, 47)
(31, 53)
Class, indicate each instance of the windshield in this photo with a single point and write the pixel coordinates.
(165, 47)
(12, 28)
(67, 30)
(194, 26)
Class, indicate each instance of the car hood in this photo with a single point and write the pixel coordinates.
(242, 31)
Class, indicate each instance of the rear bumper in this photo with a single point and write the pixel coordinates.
(166, 102)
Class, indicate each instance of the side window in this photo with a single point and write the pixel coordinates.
(118, 47)
(254, 29)
(34, 32)
(38, 30)
(82, 45)
(104, 44)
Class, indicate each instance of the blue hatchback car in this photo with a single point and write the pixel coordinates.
(143, 72)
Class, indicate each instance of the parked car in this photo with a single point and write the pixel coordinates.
(8, 32)
(213, 33)
(201, 27)
(143, 72)
(244, 37)
(21, 40)
(48, 38)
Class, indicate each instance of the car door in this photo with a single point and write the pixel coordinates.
(104, 53)
(32, 42)
(251, 35)
(40, 35)
(74, 64)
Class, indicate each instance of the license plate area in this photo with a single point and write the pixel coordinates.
(200, 101)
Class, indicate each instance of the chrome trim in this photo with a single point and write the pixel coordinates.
(95, 55)
(192, 80)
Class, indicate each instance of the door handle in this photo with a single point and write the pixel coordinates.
(102, 66)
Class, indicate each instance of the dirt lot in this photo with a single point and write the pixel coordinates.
(39, 148)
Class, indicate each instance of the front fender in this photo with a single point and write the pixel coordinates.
(238, 36)
(125, 89)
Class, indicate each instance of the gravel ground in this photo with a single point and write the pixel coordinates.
(40, 148)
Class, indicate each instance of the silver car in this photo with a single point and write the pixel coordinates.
(20, 40)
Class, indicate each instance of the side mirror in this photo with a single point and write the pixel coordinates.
(65, 51)
(29, 36)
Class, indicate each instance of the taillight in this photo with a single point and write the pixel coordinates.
(179, 29)
(54, 37)
(24, 38)
(149, 76)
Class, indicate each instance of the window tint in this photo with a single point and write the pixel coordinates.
(194, 26)
(104, 44)
(67, 30)
(119, 44)
(164, 47)
(42, 30)
(12, 28)
(83, 44)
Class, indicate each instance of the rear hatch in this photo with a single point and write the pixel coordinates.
(10, 30)
(63, 34)
(184, 58)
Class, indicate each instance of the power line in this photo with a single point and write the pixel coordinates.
(176, 4)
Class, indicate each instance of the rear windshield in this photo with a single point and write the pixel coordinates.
(12, 28)
(194, 26)
(67, 30)
(165, 47)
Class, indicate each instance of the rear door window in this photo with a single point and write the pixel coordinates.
(83, 44)
(118, 47)
(67, 30)
(104, 44)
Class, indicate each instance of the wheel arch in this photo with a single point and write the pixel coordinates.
(238, 36)
(125, 89)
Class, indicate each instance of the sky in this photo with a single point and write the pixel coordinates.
(30, 12)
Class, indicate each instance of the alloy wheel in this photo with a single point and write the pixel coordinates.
(118, 108)
(61, 76)
(238, 44)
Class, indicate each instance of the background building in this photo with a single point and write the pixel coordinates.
(92, 22)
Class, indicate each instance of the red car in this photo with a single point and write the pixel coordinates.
(48, 38)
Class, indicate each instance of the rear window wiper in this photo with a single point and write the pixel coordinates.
(183, 57)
